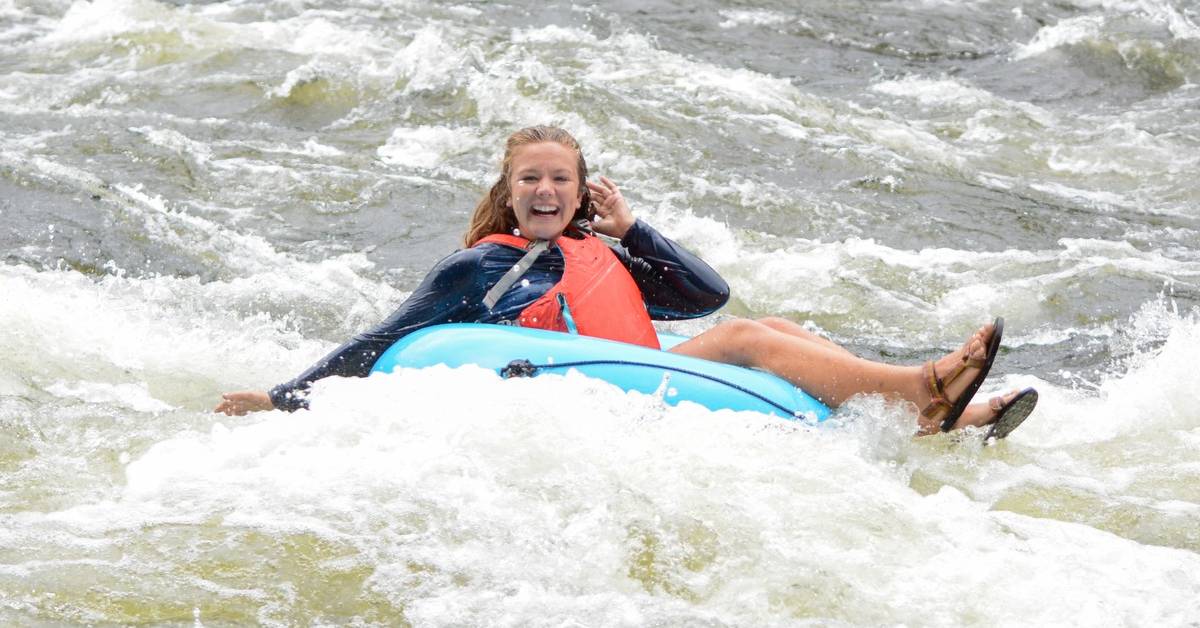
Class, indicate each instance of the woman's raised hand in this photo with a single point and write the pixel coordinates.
(243, 401)
(613, 216)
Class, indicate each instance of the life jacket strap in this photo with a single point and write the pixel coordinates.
(520, 268)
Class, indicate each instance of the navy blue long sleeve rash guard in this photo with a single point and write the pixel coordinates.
(675, 285)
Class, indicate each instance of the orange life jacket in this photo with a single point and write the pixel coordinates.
(602, 296)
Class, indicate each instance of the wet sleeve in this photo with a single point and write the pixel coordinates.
(452, 292)
(675, 284)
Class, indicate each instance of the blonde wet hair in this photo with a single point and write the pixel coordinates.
(493, 214)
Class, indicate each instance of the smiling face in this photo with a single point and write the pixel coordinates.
(545, 189)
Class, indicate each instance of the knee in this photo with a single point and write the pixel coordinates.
(738, 341)
(776, 323)
(742, 332)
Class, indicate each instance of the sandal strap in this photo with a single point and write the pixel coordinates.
(937, 385)
(967, 361)
(937, 391)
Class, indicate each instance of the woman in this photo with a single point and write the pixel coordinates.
(533, 259)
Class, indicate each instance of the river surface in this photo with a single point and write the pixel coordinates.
(198, 197)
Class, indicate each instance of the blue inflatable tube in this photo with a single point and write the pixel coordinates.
(519, 351)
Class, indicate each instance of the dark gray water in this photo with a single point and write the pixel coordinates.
(199, 197)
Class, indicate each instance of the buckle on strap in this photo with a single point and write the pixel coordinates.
(566, 313)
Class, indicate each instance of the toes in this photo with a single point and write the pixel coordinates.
(997, 404)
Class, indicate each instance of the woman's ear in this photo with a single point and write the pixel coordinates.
(585, 205)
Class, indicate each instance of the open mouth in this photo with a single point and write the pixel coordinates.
(543, 210)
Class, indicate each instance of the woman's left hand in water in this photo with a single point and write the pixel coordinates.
(613, 216)
(244, 401)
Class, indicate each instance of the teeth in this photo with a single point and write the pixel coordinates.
(545, 209)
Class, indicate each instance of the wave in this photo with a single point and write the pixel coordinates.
(664, 512)
(1148, 50)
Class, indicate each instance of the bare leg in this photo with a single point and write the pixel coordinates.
(785, 326)
(830, 373)
(976, 414)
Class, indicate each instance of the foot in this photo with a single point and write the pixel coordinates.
(1003, 413)
(981, 414)
(1012, 412)
(946, 386)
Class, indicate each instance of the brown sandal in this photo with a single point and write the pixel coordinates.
(937, 385)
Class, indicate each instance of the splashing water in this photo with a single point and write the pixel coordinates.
(202, 197)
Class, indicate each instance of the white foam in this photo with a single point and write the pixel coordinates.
(320, 37)
(314, 148)
(907, 143)
(165, 329)
(428, 147)
(1180, 24)
(100, 20)
(176, 141)
(1160, 11)
(552, 34)
(936, 91)
(1117, 409)
(542, 506)
(299, 77)
(204, 28)
(753, 17)
(1119, 146)
(134, 396)
(1098, 199)
(604, 497)
(1066, 32)
(429, 61)
(1175, 402)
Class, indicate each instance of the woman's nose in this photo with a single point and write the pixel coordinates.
(545, 187)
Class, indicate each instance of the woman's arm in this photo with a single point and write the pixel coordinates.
(675, 283)
(451, 292)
